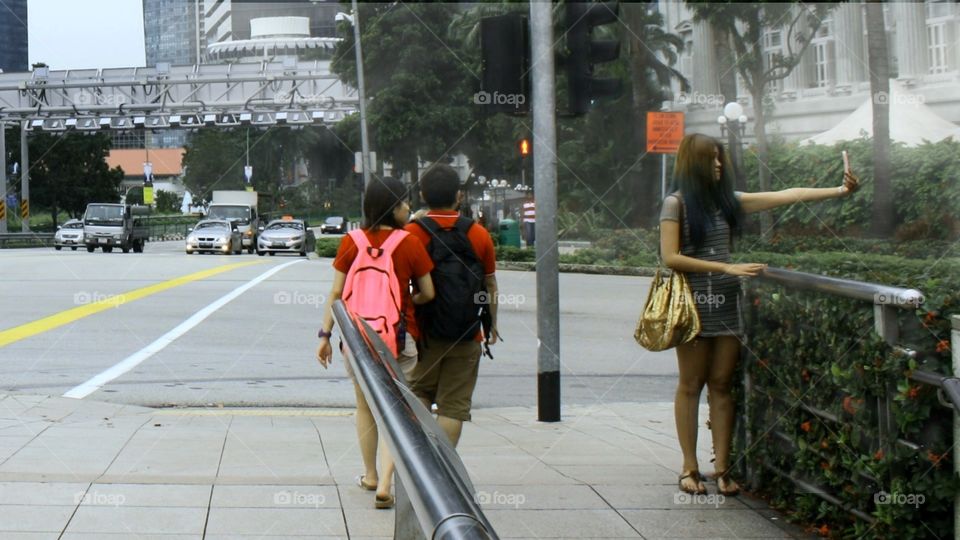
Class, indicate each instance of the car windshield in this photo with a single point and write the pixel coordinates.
(241, 214)
(210, 225)
(285, 225)
(74, 225)
(334, 220)
(103, 215)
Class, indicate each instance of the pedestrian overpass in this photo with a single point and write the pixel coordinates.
(292, 92)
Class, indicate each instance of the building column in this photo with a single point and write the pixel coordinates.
(911, 39)
(799, 77)
(850, 55)
(704, 69)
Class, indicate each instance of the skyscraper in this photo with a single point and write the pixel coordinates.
(170, 31)
(13, 36)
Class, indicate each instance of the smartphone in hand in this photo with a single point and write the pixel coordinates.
(846, 162)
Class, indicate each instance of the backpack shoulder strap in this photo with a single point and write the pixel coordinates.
(464, 224)
(360, 239)
(429, 224)
(392, 241)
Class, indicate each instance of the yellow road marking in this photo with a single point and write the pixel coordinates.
(68, 316)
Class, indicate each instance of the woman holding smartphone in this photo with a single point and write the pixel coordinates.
(697, 223)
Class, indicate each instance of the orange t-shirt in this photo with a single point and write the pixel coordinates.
(478, 236)
(410, 262)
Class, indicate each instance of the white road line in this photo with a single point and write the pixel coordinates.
(83, 390)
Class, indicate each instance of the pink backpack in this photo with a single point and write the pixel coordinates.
(372, 291)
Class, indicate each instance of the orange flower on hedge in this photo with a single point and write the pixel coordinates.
(824, 465)
(763, 363)
(824, 530)
(934, 458)
(848, 405)
(824, 444)
(756, 301)
(805, 375)
(913, 392)
(929, 318)
(943, 346)
(805, 426)
(878, 455)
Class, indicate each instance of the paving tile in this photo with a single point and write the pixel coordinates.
(275, 496)
(665, 497)
(33, 518)
(642, 475)
(364, 522)
(559, 524)
(534, 497)
(164, 495)
(699, 522)
(41, 493)
(276, 521)
(129, 536)
(136, 520)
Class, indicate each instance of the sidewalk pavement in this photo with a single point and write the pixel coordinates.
(74, 469)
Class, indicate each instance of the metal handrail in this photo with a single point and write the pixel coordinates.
(430, 476)
(858, 290)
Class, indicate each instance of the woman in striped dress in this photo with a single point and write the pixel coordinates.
(696, 226)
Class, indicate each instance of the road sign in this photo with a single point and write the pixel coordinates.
(3, 209)
(664, 132)
(24, 209)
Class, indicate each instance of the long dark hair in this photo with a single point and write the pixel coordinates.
(702, 195)
(382, 196)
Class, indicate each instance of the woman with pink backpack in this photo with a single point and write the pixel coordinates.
(373, 271)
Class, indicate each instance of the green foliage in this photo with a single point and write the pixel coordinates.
(67, 171)
(926, 188)
(327, 247)
(817, 371)
(167, 202)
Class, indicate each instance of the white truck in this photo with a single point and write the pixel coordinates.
(241, 208)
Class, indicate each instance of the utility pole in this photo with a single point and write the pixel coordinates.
(545, 186)
(361, 88)
(3, 177)
(24, 179)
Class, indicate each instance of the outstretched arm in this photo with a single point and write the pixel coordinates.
(758, 202)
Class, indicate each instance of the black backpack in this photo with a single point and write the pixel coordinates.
(458, 278)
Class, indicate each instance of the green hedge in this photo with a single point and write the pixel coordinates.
(817, 370)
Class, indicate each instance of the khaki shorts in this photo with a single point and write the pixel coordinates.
(407, 359)
(446, 375)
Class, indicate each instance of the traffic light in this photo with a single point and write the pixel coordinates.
(525, 147)
(583, 53)
(505, 56)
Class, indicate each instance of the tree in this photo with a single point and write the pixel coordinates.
(167, 202)
(418, 86)
(745, 24)
(881, 224)
(68, 171)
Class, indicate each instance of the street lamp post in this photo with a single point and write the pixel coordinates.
(735, 121)
(354, 20)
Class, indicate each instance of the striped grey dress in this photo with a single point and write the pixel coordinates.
(717, 295)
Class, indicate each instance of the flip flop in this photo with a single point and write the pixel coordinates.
(383, 502)
(364, 485)
(696, 476)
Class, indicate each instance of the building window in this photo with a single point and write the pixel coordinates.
(823, 55)
(938, 47)
(772, 47)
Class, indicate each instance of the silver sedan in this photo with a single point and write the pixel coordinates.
(70, 235)
(286, 236)
(214, 236)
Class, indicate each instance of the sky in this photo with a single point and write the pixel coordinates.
(77, 34)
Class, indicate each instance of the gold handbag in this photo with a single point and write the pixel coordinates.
(669, 317)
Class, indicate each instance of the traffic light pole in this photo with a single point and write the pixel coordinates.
(361, 88)
(545, 186)
(24, 179)
(3, 177)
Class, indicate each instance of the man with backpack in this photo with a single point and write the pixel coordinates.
(463, 313)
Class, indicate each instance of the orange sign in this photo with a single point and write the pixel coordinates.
(664, 132)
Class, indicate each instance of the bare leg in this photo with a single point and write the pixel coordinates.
(726, 353)
(386, 480)
(367, 436)
(693, 360)
(452, 427)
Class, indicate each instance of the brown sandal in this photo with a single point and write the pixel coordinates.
(698, 477)
(725, 478)
(383, 502)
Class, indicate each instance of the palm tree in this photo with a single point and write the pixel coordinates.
(882, 219)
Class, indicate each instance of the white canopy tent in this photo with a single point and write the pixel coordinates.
(911, 122)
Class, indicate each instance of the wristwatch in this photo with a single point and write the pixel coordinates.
(324, 334)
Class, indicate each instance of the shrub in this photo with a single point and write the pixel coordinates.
(327, 247)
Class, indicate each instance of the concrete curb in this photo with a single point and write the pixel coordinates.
(582, 268)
